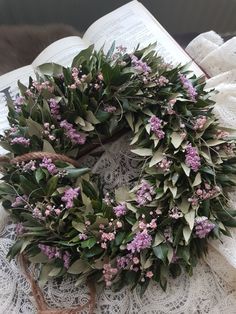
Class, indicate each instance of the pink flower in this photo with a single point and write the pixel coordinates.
(139, 65)
(145, 193)
(72, 134)
(135, 260)
(149, 274)
(141, 241)
(69, 196)
(107, 236)
(49, 165)
(108, 274)
(203, 226)
(162, 81)
(156, 125)
(55, 109)
(192, 158)
(21, 141)
(188, 86)
(19, 201)
(120, 210)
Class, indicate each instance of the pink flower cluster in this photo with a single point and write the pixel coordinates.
(203, 226)
(78, 77)
(38, 214)
(192, 158)
(21, 141)
(165, 164)
(162, 81)
(55, 109)
(229, 148)
(54, 252)
(19, 201)
(204, 193)
(199, 123)
(49, 165)
(51, 210)
(69, 196)
(47, 131)
(43, 86)
(143, 225)
(128, 261)
(19, 101)
(106, 237)
(145, 193)
(110, 109)
(124, 261)
(222, 134)
(141, 241)
(156, 125)
(188, 86)
(72, 134)
(140, 65)
(108, 274)
(19, 228)
(120, 210)
(31, 165)
(175, 212)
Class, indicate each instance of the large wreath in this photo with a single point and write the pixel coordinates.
(65, 221)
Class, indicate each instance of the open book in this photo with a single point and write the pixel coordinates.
(129, 25)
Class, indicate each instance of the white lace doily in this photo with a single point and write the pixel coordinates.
(211, 289)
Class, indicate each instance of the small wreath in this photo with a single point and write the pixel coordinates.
(162, 224)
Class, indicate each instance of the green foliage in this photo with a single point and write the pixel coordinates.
(62, 209)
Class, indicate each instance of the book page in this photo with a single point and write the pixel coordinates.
(133, 24)
(9, 89)
(61, 51)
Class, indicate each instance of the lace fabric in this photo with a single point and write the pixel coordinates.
(211, 289)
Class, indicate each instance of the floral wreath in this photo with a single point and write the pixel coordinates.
(150, 230)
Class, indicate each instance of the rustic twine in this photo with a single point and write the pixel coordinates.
(39, 155)
(42, 307)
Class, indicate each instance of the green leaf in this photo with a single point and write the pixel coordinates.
(111, 50)
(51, 69)
(79, 226)
(83, 56)
(161, 251)
(176, 139)
(47, 147)
(52, 185)
(158, 239)
(91, 117)
(130, 119)
(184, 206)
(187, 233)
(44, 274)
(186, 169)
(34, 128)
(157, 157)
(39, 258)
(39, 175)
(89, 243)
(122, 194)
(215, 142)
(78, 267)
(76, 172)
(55, 272)
(142, 151)
(16, 248)
(197, 180)
(189, 217)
